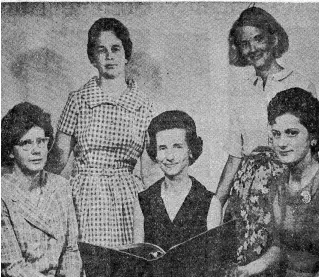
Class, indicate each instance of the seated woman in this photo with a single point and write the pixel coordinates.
(177, 207)
(294, 118)
(38, 225)
(293, 115)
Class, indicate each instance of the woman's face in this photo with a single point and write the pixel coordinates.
(109, 56)
(30, 155)
(291, 139)
(256, 47)
(172, 152)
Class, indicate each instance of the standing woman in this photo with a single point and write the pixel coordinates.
(104, 123)
(255, 39)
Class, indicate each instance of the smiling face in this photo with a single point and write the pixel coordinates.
(173, 152)
(256, 47)
(291, 139)
(109, 56)
(31, 161)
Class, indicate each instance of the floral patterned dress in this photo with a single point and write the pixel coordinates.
(250, 202)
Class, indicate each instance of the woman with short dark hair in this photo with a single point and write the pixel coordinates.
(104, 123)
(38, 225)
(177, 207)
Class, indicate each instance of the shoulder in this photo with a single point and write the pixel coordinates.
(295, 79)
(87, 88)
(201, 189)
(154, 189)
(58, 184)
(138, 96)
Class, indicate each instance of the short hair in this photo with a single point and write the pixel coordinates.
(113, 25)
(259, 18)
(17, 122)
(171, 120)
(300, 103)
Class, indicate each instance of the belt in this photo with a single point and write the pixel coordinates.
(101, 171)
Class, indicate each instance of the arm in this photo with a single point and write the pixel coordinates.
(11, 252)
(71, 261)
(60, 152)
(138, 223)
(226, 178)
(214, 215)
(270, 258)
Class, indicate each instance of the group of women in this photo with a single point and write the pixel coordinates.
(270, 180)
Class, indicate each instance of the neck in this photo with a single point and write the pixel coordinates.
(300, 170)
(30, 181)
(273, 68)
(114, 86)
(178, 183)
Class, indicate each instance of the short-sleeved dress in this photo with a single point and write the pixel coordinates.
(110, 137)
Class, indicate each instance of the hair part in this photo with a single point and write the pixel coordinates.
(175, 119)
(259, 18)
(17, 122)
(300, 103)
(112, 25)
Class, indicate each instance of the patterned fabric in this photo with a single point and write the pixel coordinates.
(190, 220)
(38, 240)
(250, 202)
(248, 103)
(110, 136)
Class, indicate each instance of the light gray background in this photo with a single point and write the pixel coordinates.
(180, 58)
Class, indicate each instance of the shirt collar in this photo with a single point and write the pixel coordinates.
(131, 99)
(279, 76)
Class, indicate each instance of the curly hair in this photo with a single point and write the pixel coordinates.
(17, 122)
(259, 18)
(301, 104)
(171, 120)
(113, 25)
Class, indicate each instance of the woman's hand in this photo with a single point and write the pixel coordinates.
(239, 271)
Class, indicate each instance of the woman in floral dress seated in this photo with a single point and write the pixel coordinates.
(38, 224)
(293, 241)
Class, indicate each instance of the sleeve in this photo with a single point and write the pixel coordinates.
(70, 261)
(69, 117)
(12, 261)
(234, 143)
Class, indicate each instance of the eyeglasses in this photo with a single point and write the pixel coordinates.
(29, 143)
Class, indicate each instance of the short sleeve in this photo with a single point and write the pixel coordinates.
(69, 117)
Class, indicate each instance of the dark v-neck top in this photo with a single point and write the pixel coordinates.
(190, 220)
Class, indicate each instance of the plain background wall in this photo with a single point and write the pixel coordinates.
(180, 58)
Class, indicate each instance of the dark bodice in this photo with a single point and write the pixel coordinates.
(190, 220)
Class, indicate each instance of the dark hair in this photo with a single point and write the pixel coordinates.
(17, 122)
(171, 120)
(300, 103)
(113, 25)
(259, 18)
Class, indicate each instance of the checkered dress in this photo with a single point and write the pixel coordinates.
(110, 137)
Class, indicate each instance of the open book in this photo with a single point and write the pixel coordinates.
(208, 254)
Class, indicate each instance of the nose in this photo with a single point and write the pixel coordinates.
(252, 47)
(282, 142)
(169, 155)
(36, 149)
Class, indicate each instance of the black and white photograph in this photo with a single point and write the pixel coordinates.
(160, 139)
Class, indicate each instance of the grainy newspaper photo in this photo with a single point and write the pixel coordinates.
(159, 139)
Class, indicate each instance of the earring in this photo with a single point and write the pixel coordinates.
(11, 156)
(313, 142)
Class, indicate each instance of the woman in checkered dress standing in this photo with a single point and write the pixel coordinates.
(104, 124)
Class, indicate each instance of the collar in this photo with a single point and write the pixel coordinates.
(17, 202)
(131, 99)
(279, 76)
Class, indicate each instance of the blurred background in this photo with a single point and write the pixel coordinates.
(179, 58)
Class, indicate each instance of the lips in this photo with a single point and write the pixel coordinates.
(285, 153)
(36, 161)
